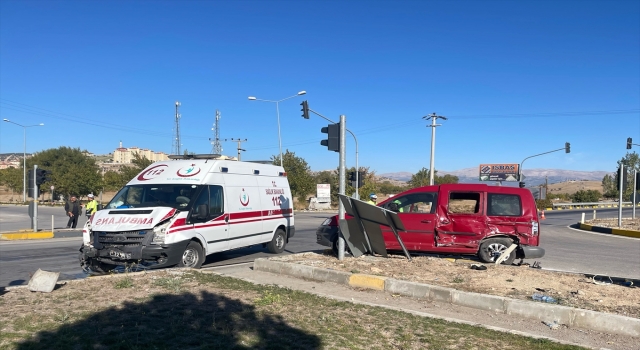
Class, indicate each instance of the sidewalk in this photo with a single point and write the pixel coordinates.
(431, 308)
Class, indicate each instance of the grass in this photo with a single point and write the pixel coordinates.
(124, 282)
(198, 311)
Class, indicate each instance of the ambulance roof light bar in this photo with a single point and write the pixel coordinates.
(201, 156)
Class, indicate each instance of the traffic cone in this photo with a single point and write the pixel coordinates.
(542, 215)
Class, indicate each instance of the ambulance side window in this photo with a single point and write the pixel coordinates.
(212, 198)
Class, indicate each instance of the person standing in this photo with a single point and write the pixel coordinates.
(91, 206)
(73, 211)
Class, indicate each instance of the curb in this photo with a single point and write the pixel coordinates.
(612, 231)
(14, 236)
(573, 317)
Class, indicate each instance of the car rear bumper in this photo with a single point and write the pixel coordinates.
(530, 252)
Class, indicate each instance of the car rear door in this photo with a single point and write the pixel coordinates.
(462, 221)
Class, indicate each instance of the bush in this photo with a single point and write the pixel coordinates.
(544, 203)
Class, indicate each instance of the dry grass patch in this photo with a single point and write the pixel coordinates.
(193, 310)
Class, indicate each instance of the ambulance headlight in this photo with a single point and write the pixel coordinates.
(159, 233)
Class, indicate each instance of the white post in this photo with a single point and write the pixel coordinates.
(635, 185)
(582, 219)
(52, 220)
(594, 214)
(342, 183)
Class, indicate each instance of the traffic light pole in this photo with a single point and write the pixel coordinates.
(35, 199)
(621, 183)
(354, 138)
(342, 173)
(535, 155)
(635, 190)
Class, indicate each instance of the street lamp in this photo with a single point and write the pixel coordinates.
(252, 98)
(433, 126)
(24, 156)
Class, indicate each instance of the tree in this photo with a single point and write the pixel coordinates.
(631, 162)
(298, 173)
(113, 180)
(447, 179)
(419, 179)
(73, 173)
(12, 178)
(587, 196)
(138, 164)
(609, 186)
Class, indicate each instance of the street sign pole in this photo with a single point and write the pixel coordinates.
(35, 199)
(621, 182)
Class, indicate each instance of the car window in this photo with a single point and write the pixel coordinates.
(212, 197)
(503, 205)
(424, 202)
(464, 202)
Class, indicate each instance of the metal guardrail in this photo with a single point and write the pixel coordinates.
(590, 205)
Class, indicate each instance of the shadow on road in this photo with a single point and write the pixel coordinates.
(185, 321)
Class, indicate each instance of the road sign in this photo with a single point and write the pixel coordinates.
(499, 172)
(323, 193)
(52, 187)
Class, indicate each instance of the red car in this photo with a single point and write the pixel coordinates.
(470, 219)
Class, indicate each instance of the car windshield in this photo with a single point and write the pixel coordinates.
(141, 196)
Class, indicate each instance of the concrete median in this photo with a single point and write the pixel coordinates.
(609, 230)
(572, 317)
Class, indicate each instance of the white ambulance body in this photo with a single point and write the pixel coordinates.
(179, 211)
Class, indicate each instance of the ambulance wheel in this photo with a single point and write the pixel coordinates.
(491, 249)
(193, 256)
(276, 246)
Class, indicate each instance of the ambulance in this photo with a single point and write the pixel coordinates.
(179, 211)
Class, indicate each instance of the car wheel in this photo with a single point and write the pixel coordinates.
(279, 241)
(334, 246)
(193, 256)
(491, 249)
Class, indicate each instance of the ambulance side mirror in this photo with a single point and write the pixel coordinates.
(202, 211)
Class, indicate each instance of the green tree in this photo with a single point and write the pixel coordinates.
(419, 179)
(113, 180)
(609, 186)
(12, 178)
(587, 196)
(73, 173)
(128, 172)
(387, 187)
(298, 173)
(446, 179)
(631, 162)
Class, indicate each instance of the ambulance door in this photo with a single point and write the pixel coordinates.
(210, 220)
(245, 210)
(276, 204)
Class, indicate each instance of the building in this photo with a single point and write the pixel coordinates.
(11, 160)
(125, 155)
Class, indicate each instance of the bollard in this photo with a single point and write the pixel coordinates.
(582, 219)
(52, 223)
(594, 214)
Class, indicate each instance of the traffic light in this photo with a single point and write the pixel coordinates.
(42, 176)
(333, 140)
(305, 109)
(352, 178)
(521, 184)
(30, 181)
(624, 179)
(629, 142)
(361, 175)
(567, 147)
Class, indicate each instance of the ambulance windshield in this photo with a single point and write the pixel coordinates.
(165, 195)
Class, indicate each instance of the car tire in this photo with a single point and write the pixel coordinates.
(193, 256)
(279, 241)
(491, 249)
(334, 246)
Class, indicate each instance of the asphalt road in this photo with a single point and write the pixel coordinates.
(566, 249)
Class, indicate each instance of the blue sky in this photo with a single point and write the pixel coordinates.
(514, 78)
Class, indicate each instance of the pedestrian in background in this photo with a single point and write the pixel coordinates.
(73, 211)
(91, 206)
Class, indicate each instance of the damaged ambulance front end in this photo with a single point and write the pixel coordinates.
(132, 229)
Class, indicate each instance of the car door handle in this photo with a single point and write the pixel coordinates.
(226, 218)
(425, 221)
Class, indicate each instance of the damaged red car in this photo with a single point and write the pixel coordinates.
(463, 219)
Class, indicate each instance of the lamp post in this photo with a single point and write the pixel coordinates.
(252, 98)
(24, 155)
(433, 126)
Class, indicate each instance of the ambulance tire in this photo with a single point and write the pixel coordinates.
(279, 241)
(491, 249)
(193, 256)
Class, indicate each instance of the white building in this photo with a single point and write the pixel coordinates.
(125, 155)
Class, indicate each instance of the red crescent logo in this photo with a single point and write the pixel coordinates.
(246, 196)
(151, 172)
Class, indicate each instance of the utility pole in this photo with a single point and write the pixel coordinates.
(176, 139)
(433, 126)
(217, 146)
(240, 141)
